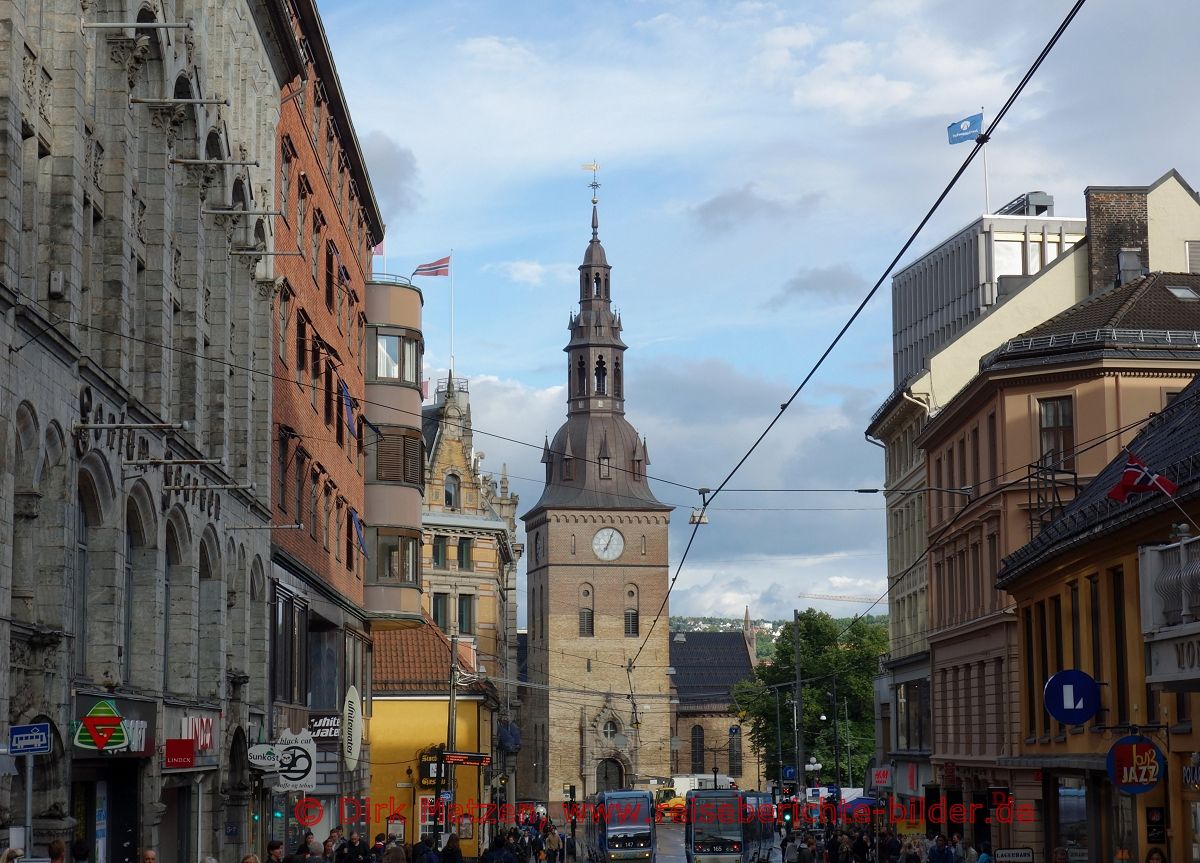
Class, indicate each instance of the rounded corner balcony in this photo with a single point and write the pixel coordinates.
(388, 280)
(392, 604)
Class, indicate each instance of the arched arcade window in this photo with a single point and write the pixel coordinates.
(601, 376)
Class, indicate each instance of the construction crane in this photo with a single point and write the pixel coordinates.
(865, 600)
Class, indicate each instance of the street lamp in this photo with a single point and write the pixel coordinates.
(715, 769)
(813, 768)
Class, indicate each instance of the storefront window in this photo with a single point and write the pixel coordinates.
(1072, 827)
(1124, 829)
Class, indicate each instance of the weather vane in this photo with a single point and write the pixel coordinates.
(593, 167)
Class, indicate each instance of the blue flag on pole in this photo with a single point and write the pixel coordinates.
(965, 130)
(349, 409)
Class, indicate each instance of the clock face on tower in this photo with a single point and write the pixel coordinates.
(608, 543)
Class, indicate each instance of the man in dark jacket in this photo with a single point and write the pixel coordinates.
(941, 852)
(357, 851)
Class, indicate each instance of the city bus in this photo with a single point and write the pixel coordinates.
(620, 827)
(728, 826)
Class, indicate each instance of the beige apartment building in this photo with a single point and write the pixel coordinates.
(950, 306)
(1003, 452)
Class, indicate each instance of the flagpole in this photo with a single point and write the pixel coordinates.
(452, 316)
(987, 197)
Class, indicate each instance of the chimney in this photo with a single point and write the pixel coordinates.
(1116, 234)
(1129, 266)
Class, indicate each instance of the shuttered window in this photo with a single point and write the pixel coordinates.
(398, 458)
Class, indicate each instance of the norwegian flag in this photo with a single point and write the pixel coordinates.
(440, 267)
(1138, 479)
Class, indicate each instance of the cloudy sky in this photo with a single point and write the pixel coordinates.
(760, 165)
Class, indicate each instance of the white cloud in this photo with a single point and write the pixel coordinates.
(534, 273)
(498, 54)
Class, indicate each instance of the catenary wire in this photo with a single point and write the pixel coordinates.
(979, 144)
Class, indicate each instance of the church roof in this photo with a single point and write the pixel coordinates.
(581, 439)
(707, 665)
(523, 657)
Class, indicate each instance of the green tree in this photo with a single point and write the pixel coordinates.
(829, 652)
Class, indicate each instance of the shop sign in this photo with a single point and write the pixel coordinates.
(1156, 824)
(429, 769)
(881, 777)
(180, 754)
(263, 755)
(325, 727)
(113, 727)
(352, 728)
(1135, 764)
(1072, 696)
(1191, 772)
(297, 762)
(1014, 855)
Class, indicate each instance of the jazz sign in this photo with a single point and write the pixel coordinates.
(1135, 765)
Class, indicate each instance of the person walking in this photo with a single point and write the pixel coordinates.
(452, 853)
(553, 845)
(941, 852)
(985, 853)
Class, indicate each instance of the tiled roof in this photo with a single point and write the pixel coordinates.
(416, 660)
(1169, 445)
(707, 665)
(1142, 314)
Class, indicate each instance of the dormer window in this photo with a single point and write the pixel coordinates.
(605, 467)
(451, 495)
(568, 470)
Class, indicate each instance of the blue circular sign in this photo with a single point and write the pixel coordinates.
(1072, 696)
(1136, 765)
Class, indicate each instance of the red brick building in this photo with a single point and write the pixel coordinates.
(328, 224)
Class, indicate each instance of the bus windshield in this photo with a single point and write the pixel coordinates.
(716, 818)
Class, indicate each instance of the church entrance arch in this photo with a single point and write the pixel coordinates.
(610, 775)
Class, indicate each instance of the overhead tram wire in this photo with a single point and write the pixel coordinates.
(894, 580)
(979, 144)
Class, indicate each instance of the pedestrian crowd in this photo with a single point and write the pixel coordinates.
(862, 846)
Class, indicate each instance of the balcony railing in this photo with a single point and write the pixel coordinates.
(1104, 335)
(1169, 585)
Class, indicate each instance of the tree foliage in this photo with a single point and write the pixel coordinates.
(830, 654)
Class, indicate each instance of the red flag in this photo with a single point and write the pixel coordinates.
(440, 267)
(1137, 479)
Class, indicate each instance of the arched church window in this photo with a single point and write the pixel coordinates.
(580, 378)
(606, 294)
(617, 385)
(698, 749)
(601, 376)
(596, 285)
(452, 490)
(611, 731)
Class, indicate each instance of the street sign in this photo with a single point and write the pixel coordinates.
(297, 762)
(29, 739)
(1135, 764)
(470, 759)
(1072, 696)
(789, 773)
(1014, 855)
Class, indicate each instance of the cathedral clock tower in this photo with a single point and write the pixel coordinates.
(597, 577)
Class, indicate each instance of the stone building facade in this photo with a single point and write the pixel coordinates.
(135, 420)
(706, 729)
(328, 224)
(470, 552)
(596, 579)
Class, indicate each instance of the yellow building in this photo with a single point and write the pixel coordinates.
(410, 707)
(1103, 567)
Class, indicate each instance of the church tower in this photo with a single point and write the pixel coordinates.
(597, 577)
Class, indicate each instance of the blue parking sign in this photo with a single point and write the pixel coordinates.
(1072, 696)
